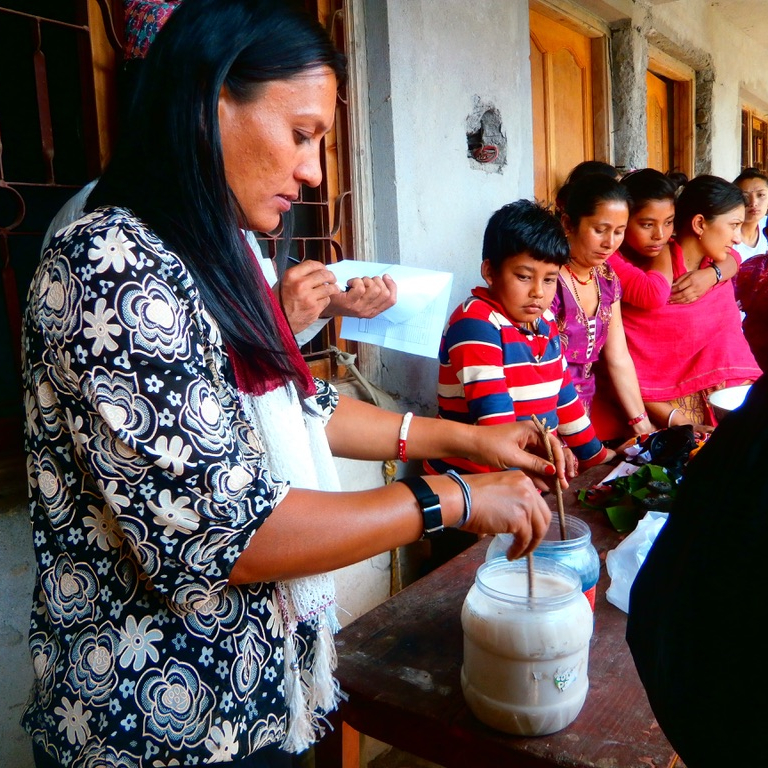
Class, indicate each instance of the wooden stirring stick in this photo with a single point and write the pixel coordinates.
(541, 426)
(529, 558)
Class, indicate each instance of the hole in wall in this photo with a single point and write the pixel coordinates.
(486, 143)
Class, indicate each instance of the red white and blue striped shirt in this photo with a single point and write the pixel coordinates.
(493, 371)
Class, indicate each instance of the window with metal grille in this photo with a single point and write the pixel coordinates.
(322, 220)
(56, 123)
(58, 115)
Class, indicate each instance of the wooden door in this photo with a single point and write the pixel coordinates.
(561, 78)
(658, 122)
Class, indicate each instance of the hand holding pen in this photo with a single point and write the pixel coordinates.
(308, 291)
(305, 291)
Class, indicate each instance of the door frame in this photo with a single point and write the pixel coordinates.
(683, 81)
(598, 32)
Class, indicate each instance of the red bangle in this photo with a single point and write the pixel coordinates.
(403, 437)
(637, 419)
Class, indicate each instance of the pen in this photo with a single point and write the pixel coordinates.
(294, 260)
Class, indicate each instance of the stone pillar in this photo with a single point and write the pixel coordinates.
(629, 62)
(705, 84)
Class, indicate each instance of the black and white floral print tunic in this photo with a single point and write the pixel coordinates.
(146, 483)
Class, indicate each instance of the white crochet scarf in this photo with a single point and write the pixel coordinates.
(297, 450)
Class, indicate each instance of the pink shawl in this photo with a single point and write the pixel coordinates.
(679, 349)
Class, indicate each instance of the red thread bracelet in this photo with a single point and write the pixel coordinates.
(403, 437)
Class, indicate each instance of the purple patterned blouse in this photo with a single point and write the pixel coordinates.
(574, 331)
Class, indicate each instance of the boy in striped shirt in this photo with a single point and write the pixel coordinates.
(500, 355)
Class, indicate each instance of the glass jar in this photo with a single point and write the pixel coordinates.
(525, 658)
(576, 551)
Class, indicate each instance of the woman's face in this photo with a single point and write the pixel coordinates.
(650, 227)
(599, 235)
(720, 234)
(756, 192)
(271, 145)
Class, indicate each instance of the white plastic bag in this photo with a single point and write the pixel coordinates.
(624, 562)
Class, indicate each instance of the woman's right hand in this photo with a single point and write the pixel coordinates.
(305, 292)
(520, 445)
(508, 502)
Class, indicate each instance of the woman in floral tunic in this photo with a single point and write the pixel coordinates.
(183, 496)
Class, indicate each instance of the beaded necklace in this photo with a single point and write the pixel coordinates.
(574, 276)
(591, 326)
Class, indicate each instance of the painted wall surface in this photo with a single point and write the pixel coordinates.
(447, 60)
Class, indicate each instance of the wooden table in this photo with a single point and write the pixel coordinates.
(400, 664)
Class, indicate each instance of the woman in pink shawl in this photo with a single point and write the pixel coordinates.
(685, 351)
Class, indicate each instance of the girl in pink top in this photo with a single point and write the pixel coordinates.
(684, 348)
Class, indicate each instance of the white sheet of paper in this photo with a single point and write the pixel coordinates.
(623, 469)
(415, 323)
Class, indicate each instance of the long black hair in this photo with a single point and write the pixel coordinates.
(648, 185)
(168, 166)
(707, 195)
(588, 192)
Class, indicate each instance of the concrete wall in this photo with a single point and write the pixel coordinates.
(434, 66)
(727, 66)
(697, 27)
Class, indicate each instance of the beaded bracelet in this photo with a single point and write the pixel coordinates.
(454, 475)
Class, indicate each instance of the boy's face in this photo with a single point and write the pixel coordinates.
(522, 285)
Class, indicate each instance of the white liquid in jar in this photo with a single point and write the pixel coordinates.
(525, 664)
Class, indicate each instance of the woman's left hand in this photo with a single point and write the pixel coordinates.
(692, 286)
(364, 297)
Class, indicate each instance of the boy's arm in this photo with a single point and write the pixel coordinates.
(473, 346)
(575, 427)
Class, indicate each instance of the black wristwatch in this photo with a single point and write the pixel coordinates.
(717, 272)
(429, 502)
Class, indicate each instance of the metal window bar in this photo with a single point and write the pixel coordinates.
(323, 218)
(48, 149)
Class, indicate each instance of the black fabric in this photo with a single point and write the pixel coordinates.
(269, 757)
(697, 623)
